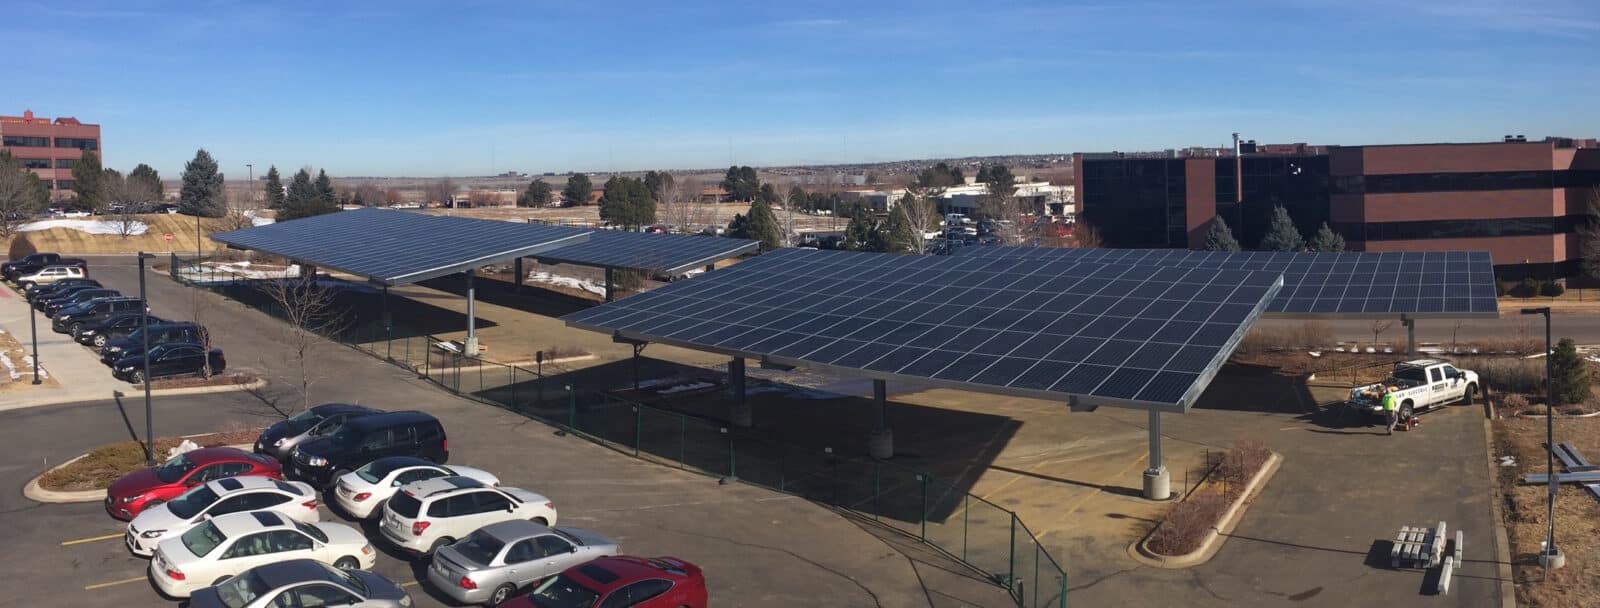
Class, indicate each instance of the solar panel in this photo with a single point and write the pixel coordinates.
(1110, 334)
(669, 254)
(1448, 284)
(399, 246)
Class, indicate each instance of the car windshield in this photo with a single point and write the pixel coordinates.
(480, 548)
(298, 423)
(346, 578)
(239, 591)
(311, 531)
(191, 503)
(175, 469)
(563, 592)
(374, 471)
(202, 539)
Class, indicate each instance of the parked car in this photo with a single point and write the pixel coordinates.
(221, 547)
(172, 359)
(34, 292)
(97, 333)
(32, 263)
(1421, 385)
(133, 493)
(50, 274)
(429, 514)
(68, 320)
(368, 438)
(292, 499)
(362, 492)
(301, 583)
(656, 582)
(280, 439)
(491, 564)
(165, 333)
(79, 296)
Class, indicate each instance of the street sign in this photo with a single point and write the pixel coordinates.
(169, 237)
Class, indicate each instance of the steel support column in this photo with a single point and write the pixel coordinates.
(742, 416)
(1411, 334)
(517, 268)
(471, 349)
(609, 285)
(880, 444)
(1157, 481)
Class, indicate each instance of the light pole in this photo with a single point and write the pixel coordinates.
(144, 330)
(33, 328)
(252, 183)
(1550, 553)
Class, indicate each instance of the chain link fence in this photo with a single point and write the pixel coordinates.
(981, 534)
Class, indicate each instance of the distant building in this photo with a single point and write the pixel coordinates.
(49, 148)
(1522, 201)
(1057, 201)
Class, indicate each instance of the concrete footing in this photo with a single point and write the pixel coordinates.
(880, 444)
(1157, 484)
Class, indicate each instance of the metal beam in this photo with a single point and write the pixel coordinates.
(609, 284)
(1157, 481)
(517, 268)
(742, 416)
(472, 314)
(880, 444)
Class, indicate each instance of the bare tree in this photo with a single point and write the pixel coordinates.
(309, 310)
(1378, 327)
(440, 190)
(1086, 236)
(691, 211)
(200, 308)
(921, 215)
(1589, 235)
(21, 195)
(786, 221)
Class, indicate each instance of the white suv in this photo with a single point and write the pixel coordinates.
(50, 274)
(432, 513)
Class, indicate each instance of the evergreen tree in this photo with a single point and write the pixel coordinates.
(798, 199)
(1219, 237)
(767, 194)
(763, 226)
(87, 178)
(305, 198)
(538, 194)
(742, 183)
(1570, 373)
(203, 192)
(864, 233)
(902, 237)
(325, 190)
(739, 227)
(275, 193)
(577, 190)
(627, 202)
(144, 179)
(1327, 241)
(658, 182)
(1282, 235)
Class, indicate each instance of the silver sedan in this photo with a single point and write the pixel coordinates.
(492, 563)
(302, 582)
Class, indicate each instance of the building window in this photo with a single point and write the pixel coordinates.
(66, 163)
(79, 143)
(1476, 181)
(18, 141)
(63, 184)
(1460, 229)
(36, 163)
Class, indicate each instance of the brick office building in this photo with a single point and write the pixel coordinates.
(49, 147)
(1522, 201)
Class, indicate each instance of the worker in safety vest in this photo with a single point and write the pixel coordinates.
(1391, 408)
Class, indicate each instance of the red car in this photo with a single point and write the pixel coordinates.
(621, 581)
(145, 488)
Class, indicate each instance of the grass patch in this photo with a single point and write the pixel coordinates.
(97, 469)
(564, 352)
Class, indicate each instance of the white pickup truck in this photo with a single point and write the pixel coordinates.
(1423, 384)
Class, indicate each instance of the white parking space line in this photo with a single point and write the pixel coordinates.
(409, 584)
(92, 539)
(112, 583)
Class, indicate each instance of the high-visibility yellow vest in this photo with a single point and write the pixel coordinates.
(1388, 402)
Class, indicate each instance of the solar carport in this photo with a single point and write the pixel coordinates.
(1088, 327)
(670, 255)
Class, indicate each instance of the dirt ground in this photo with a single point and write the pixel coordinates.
(78, 242)
(15, 351)
(718, 214)
(1525, 511)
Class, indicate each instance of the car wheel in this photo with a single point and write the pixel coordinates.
(1467, 398)
(541, 521)
(444, 541)
(76, 331)
(204, 371)
(25, 285)
(501, 594)
(99, 341)
(137, 377)
(347, 563)
(1405, 412)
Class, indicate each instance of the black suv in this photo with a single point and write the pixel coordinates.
(133, 343)
(70, 296)
(69, 320)
(34, 292)
(362, 440)
(97, 333)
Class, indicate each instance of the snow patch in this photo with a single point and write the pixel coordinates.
(568, 282)
(27, 361)
(261, 221)
(10, 367)
(692, 386)
(89, 226)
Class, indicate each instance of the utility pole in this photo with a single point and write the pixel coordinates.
(252, 185)
(144, 330)
(1550, 556)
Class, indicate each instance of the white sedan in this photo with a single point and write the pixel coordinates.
(221, 547)
(363, 492)
(296, 500)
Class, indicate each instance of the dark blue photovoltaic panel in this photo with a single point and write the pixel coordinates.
(1112, 334)
(669, 254)
(1421, 283)
(399, 246)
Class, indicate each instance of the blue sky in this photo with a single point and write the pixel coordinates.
(409, 88)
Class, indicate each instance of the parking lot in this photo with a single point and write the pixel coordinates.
(757, 547)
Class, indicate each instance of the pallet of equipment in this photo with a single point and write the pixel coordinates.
(1417, 547)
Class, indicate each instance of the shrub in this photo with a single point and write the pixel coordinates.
(1514, 404)
(1528, 288)
(1187, 524)
(1240, 463)
(1504, 288)
(21, 247)
(1569, 373)
(1551, 289)
(1511, 375)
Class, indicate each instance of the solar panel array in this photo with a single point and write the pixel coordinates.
(399, 246)
(1373, 284)
(669, 254)
(1112, 334)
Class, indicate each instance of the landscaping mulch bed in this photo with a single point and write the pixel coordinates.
(97, 469)
(1189, 521)
(193, 381)
(1525, 509)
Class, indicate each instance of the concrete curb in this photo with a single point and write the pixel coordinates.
(1561, 416)
(201, 390)
(33, 491)
(1502, 543)
(1218, 534)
